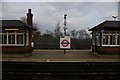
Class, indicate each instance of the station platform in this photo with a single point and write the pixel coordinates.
(59, 56)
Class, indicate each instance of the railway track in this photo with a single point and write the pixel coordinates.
(16, 70)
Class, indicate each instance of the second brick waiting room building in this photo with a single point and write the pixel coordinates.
(17, 35)
(106, 37)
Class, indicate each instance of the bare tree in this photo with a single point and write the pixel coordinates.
(36, 33)
(57, 32)
(35, 25)
(73, 34)
(82, 34)
(49, 32)
(24, 19)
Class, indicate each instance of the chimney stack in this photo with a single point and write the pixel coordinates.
(29, 18)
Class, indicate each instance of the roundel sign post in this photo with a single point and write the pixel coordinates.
(65, 42)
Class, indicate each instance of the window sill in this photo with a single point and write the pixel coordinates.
(111, 45)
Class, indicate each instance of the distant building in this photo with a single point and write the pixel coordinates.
(16, 35)
(106, 37)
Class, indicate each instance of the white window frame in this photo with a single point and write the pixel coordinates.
(21, 32)
(109, 33)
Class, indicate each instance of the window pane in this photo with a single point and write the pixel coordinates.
(9, 39)
(105, 39)
(112, 39)
(118, 39)
(4, 39)
(19, 39)
(13, 39)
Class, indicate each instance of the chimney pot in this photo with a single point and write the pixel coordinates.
(29, 10)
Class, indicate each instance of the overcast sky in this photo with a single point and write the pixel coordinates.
(81, 15)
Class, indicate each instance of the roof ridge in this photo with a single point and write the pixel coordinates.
(111, 21)
(106, 25)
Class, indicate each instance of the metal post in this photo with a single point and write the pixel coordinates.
(65, 28)
(64, 51)
(65, 24)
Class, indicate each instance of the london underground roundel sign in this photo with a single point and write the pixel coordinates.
(65, 42)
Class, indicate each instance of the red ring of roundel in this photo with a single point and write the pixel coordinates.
(63, 44)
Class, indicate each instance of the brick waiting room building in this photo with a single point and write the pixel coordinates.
(106, 37)
(16, 35)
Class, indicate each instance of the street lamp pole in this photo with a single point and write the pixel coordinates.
(65, 24)
(65, 28)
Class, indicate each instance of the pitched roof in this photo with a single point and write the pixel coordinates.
(14, 24)
(108, 25)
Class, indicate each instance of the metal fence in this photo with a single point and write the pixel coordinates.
(54, 43)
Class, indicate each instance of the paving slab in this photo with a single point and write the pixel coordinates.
(58, 55)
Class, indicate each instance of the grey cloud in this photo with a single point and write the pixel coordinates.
(81, 15)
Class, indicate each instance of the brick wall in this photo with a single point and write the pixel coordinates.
(16, 49)
(108, 50)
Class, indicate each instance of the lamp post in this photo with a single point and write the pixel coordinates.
(65, 24)
(65, 28)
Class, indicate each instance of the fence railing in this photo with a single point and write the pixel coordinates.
(54, 43)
